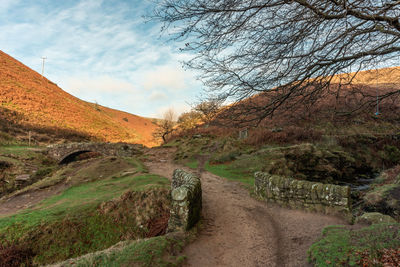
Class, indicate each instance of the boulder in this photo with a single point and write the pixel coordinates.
(384, 199)
(312, 163)
(374, 218)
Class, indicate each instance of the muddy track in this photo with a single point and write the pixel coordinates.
(239, 230)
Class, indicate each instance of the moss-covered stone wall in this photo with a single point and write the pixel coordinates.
(300, 194)
(186, 201)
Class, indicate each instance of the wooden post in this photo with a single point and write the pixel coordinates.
(29, 138)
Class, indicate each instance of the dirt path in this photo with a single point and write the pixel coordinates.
(238, 230)
(19, 202)
(241, 231)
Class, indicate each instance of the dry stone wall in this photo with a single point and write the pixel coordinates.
(300, 194)
(186, 201)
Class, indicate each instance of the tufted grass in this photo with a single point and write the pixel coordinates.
(69, 224)
(193, 164)
(19, 150)
(87, 170)
(156, 251)
(77, 199)
(230, 172)
(339, 246)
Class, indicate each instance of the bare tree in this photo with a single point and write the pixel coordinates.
(208, 109)
(288, 50)
(165, 125)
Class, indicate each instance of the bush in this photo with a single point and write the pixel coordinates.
(391, 154)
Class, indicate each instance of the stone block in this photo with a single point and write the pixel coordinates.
(327, 198)
(186, 197)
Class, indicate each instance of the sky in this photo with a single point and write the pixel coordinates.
(101, 51)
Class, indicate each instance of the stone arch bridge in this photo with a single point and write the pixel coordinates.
(64, 153)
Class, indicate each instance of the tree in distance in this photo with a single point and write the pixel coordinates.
(286, 50)
(208, 110)
(166, 125)
(189, 120)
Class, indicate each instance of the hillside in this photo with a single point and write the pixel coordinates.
(355, 100)
(37, 102)
(372, 77)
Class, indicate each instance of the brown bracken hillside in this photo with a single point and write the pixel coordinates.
(351, 97)
(36, 102)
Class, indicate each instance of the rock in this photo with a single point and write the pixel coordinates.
(374, 218)
(276, 130)
(23, 178)
(312, 163)
(186, 201)
(328, 198)
(384, 199)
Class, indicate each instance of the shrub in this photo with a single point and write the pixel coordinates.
(392, 154)
(15, 255)
(288, 135)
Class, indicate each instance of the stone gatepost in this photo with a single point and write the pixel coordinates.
(186, 201)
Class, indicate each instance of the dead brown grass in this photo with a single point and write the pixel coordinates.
(15, 255)
(287, 135)
(43, 104)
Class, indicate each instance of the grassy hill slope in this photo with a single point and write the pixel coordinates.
(41, 103)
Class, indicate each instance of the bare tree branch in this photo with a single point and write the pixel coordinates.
(281, 48)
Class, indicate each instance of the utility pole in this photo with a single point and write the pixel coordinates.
(377, 93)
(43, 59)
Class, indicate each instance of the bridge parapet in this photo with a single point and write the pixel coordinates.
(61, 151)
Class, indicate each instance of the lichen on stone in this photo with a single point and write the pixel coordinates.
(186, 201)
(307, 195)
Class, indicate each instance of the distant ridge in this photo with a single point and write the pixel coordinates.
(354, 100)
(39, 102)
(371, 77)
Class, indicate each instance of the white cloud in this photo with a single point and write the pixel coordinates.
(99, 51)
(158, 96)
(164, 76)
(178, 109)
(5, 5)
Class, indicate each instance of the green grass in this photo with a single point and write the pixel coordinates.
(70, 224)
(229, 172)
(86, 171)
(17, 149)
(193, 164)
(157, 251)
(7, 139)
(79, 199)
(341, 247)
(140, 167)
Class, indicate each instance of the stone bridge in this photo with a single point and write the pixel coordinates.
(65, 153)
